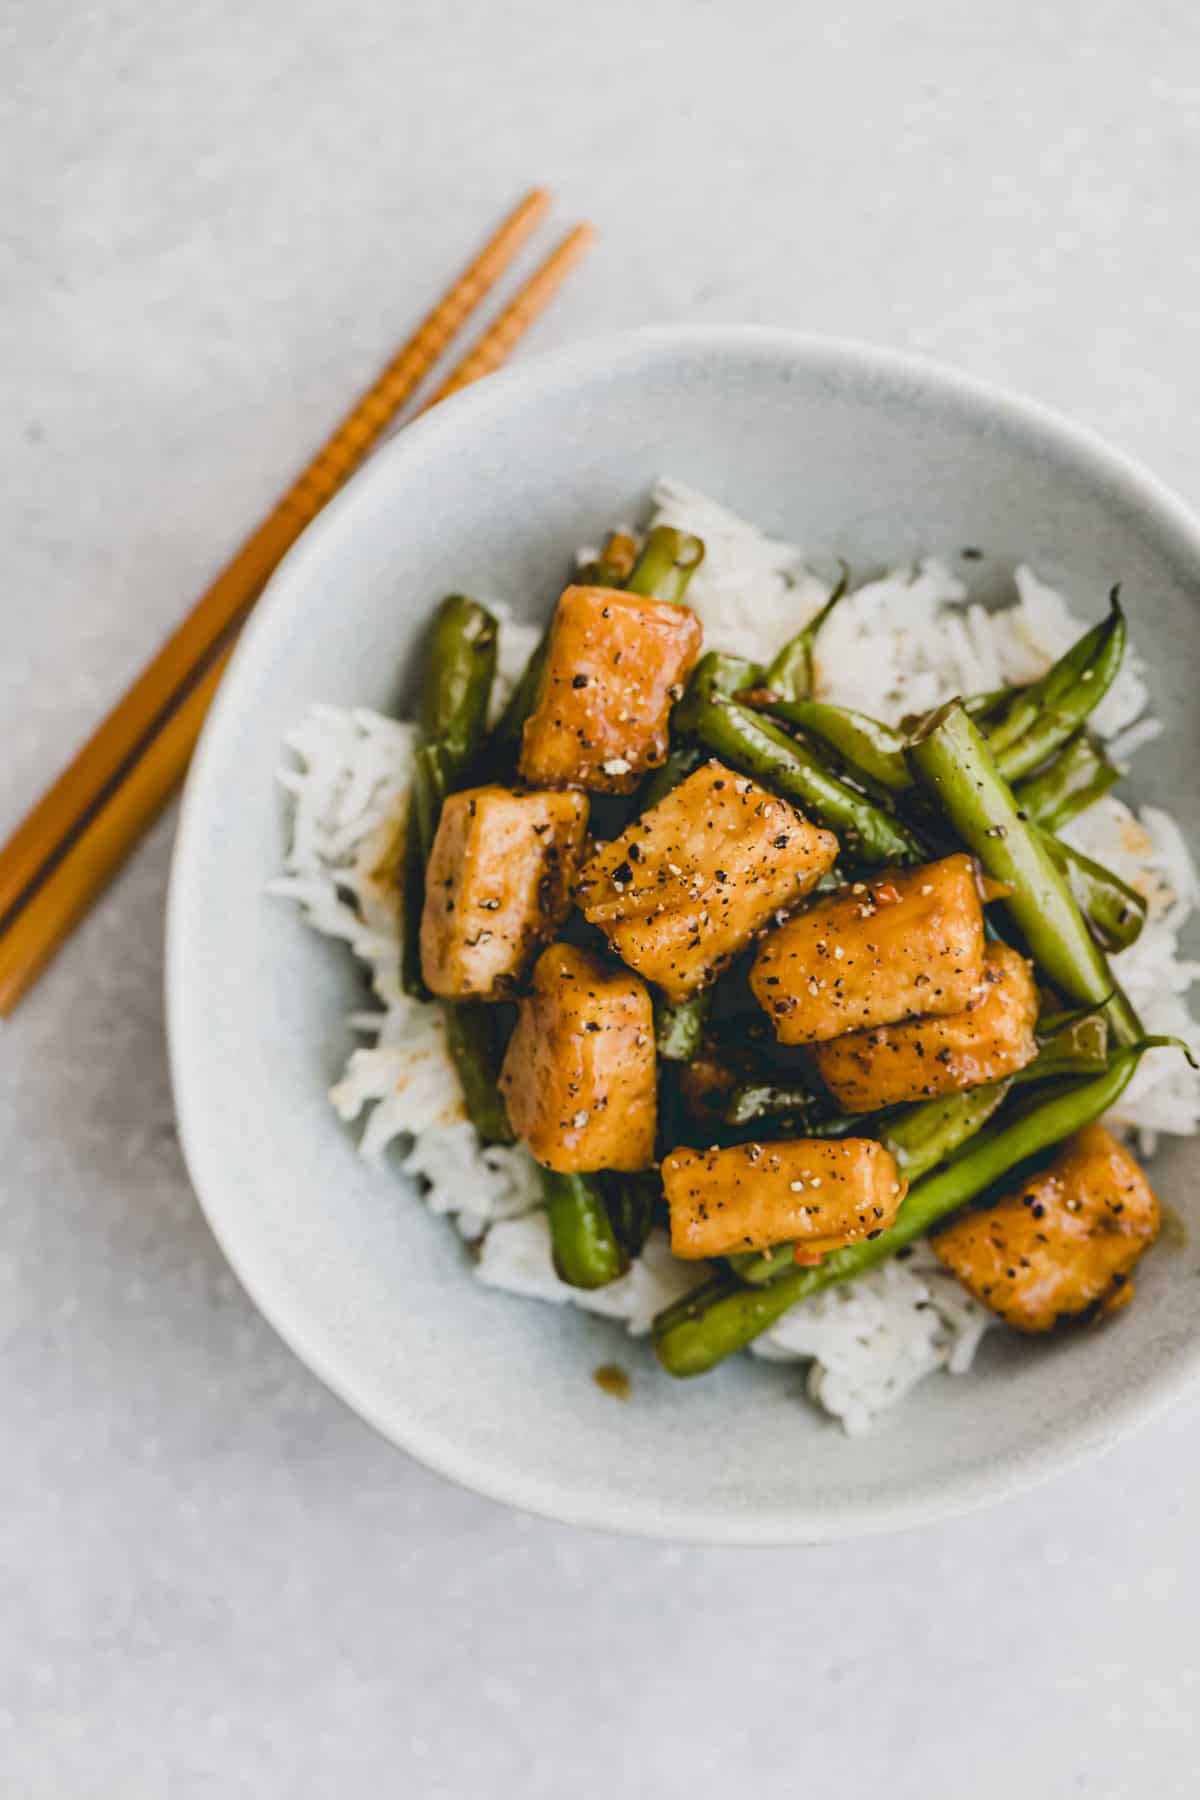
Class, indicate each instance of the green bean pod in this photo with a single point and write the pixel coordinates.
(679, 1025)
(586, 1251)
(716, 676)
(1115, 911)
(953, 762)
(632, 1202)
(666, 565)
(1079, 1047)
(1078, 776)
(1072, 781)
(718, 1319)
(792, 673)
(425, 795)
(981, 704)
(869, 747)
(614, 565)
(471, 1041)
(1022, 705)
(506, 738)
(453, 701)
(429, 788)
(747, 1101)
(751, 743)
(1043, 716)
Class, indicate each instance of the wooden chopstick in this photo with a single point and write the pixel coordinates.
(510, 326)
(100, 849)
(84, 860)
(101, 760)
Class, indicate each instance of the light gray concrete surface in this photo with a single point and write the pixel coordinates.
(215, 221)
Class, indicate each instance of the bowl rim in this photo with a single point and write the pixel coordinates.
(529, 1490)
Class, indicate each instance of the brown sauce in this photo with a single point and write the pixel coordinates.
(611, 1379)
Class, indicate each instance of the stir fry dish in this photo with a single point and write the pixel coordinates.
(798, 985)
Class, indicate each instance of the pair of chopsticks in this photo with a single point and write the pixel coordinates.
(78, 835)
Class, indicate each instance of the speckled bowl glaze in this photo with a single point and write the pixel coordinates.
(851, 451)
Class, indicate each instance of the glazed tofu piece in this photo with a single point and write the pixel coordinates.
(1064, 1243)
(693, 880)
(616, 665)
(497, 887)
(818, 1193)
(905, 945)
(579, 1077)
(991, 1038)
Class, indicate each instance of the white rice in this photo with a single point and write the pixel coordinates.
(898, 645)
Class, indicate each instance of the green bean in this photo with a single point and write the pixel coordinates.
(668, 561)
(1078, 1047)
(506, 738)
(747, 1101)
(1023, 704)
(717, 1318)
(953, 762)
(875, 750)
(792, 673)
(470, 1040)
(451, 714)
(631, 1206)
(1072, 781)
(753, 744)
(453, 701)
(1045, 715)
(1115, 911)
(980, 705)
(679, 1025)
(716, 676)
(931, 1131)
(586, 1251)
(1077, 777)
(920, 1137)
(715, 673)
(426, 793)
(754, 1267)
(614, 565)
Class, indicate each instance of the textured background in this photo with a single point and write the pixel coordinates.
(215, 222)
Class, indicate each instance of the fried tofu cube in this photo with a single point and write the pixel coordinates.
(991, 1038)
(579, 1077)
(905, 945)
(818, 1193)
(695, 878)
(1061, 1245)
(498, 885)
(616, 665)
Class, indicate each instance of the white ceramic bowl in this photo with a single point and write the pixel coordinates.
(848, 450)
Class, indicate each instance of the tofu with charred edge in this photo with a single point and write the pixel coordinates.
(691, 882)
(579, 1077)
(817, 1193)
(616, 665)
(498, 886)
(1064, 1243)
(908, 943)
(991, 1038)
